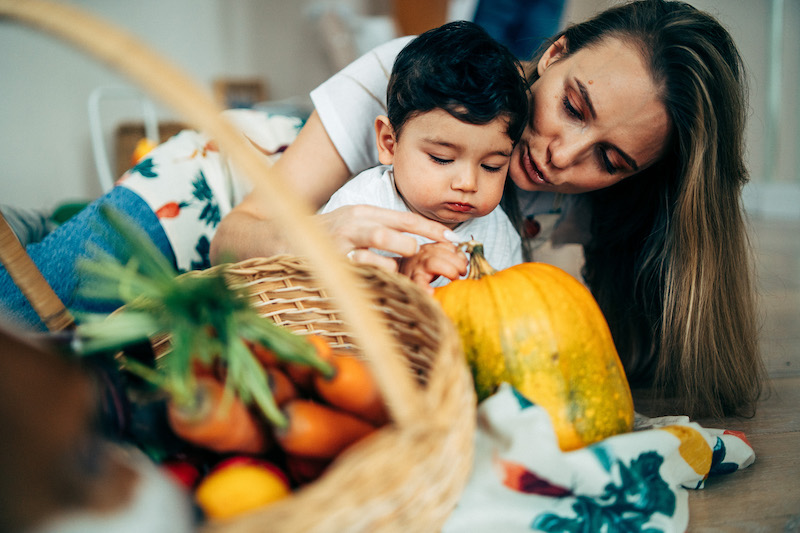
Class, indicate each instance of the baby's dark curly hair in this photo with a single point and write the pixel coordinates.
(459, 68)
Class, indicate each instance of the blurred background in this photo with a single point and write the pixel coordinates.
(277, 51)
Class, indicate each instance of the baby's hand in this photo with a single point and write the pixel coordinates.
(434, 260)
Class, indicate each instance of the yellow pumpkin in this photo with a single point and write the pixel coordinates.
(539, 329)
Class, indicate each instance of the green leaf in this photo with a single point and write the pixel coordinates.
(249, 379)
(100, 333)
(289, 346)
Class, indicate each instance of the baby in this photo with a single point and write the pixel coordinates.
(456, 106)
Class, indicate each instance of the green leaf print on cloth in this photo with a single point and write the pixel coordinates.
(626, 506)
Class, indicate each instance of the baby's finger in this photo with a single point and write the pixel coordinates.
(445, 265)
(367, 257)
(423, 279)
(452, 256)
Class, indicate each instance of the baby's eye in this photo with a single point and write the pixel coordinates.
(490, 168)
(439, 160)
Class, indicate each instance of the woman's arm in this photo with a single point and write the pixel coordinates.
(314, 169)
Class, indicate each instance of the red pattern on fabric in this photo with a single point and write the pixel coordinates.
(737, 434)
(169, 210)
(519, 478)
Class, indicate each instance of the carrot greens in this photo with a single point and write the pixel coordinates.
(207, 321)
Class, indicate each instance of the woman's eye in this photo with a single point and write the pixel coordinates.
(439, 160)
(609, 166)
(571, 109)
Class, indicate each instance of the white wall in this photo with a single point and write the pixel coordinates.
(45, 154)
(774, 190)
(45, 151)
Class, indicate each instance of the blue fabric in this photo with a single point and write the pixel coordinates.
(56, 255)
(29, 225)
(521, 25)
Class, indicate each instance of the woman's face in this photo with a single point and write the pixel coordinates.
(596, 118)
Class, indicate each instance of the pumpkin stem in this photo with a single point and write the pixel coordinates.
(478, 265)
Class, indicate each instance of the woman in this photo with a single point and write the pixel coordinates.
(636, 127)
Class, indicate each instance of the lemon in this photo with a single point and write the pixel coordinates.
(237, 489)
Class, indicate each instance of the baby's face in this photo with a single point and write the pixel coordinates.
(451, 171)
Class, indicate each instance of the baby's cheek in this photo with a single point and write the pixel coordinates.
(484, 208)
(489, 202)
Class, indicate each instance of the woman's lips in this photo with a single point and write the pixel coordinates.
(531, 169)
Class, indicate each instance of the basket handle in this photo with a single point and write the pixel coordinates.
(131, 57)
(30, 281)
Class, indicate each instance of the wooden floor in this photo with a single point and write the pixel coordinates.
(766, 495)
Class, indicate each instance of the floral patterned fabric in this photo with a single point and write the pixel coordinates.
(522, 481)
(190, 186)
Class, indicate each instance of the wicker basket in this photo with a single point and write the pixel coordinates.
(408, 475)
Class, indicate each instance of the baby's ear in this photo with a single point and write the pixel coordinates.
(387, 142)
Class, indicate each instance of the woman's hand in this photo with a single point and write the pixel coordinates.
(434, 260)
(358, 228)
(313, 169)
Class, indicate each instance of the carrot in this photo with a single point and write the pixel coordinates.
(302, 374)
(266, 356)
(324, 350)
(352, 389)
(217, 421)
(281, 386)
(319, 431)
(200, 368)
(215, 369)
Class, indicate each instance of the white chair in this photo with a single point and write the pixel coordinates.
(100, 94)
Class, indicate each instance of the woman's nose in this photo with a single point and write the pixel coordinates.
(566, 150)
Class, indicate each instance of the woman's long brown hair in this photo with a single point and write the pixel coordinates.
(669, 261)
